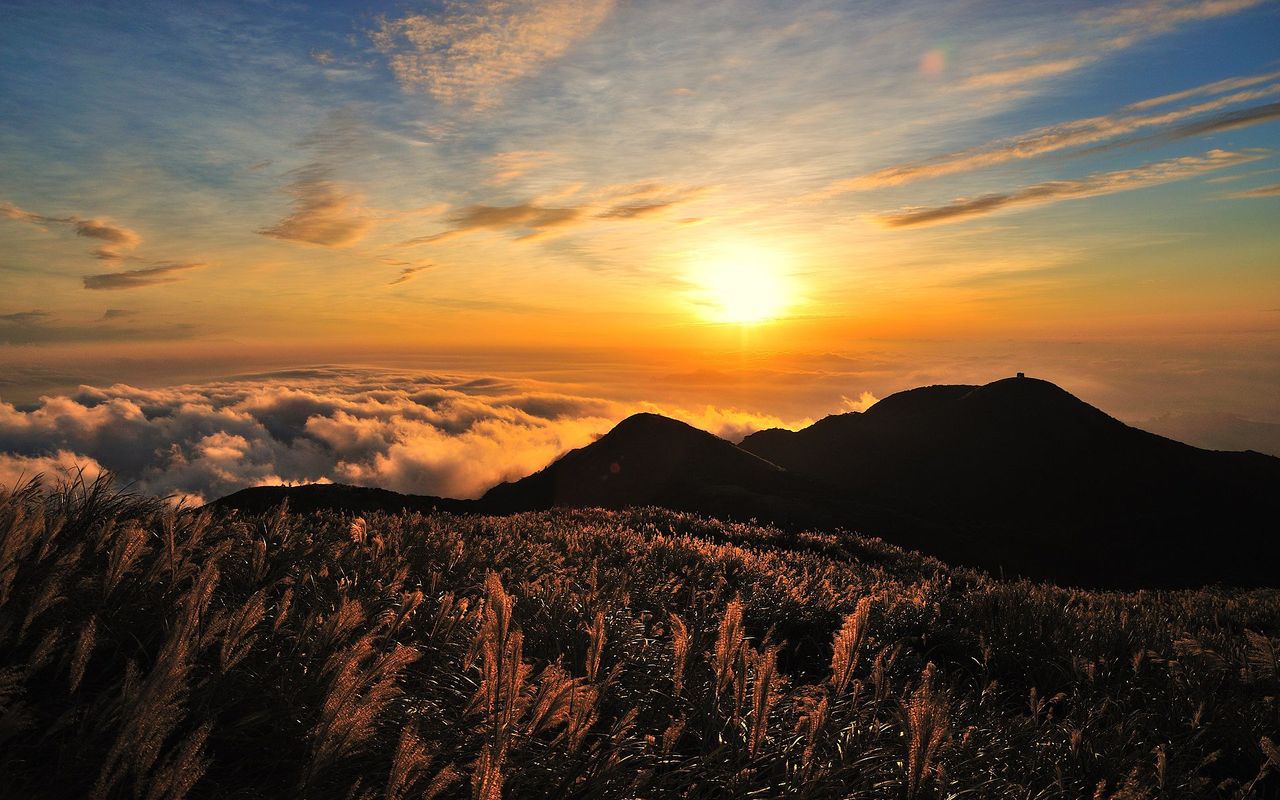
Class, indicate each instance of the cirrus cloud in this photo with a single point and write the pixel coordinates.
(1052, 191)
(137, 278)
(468, 51)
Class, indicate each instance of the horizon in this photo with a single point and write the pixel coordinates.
(241, 233)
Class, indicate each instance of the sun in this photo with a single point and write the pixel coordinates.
(742, 285)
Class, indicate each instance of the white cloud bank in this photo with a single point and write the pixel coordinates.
(412, 432)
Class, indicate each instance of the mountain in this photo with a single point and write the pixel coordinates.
(1035, 481)
(651, 460)
(1018, 477)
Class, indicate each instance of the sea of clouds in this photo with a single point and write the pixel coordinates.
(446, 435)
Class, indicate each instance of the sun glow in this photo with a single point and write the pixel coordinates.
(742, 285)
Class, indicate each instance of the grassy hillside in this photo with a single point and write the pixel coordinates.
(147, 653)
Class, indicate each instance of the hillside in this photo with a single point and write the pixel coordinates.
(148, 652)
(1017, 477)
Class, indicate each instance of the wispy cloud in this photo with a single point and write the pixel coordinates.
(644, 199)
(138, 278)
(1025, 73)
(469, 50)
(512, 164)
(324, 211)
(406, 275)
(1262, 191)
(44, 327)
(531, 219)
(1053, 191)
(1119, 28)
(115, 239)
(25, 317)
(1205, 90)
(1158, 16)
(1108, 130)
(528, 218)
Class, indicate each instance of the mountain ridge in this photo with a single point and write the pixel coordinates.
(1017, 476)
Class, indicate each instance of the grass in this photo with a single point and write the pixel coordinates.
(147, 652)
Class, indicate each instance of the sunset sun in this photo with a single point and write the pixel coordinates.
(743, 286)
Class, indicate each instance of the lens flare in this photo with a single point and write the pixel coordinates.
(933, 62)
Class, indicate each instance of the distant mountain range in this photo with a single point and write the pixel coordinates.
(1018, 477)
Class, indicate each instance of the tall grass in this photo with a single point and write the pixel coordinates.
(148, 652)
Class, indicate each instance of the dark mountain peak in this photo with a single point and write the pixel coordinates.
(924, 400)
(1029, 396)
(1025, 406)
(645, 459)
(647, 426)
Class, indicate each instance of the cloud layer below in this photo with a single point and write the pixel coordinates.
(411, 432)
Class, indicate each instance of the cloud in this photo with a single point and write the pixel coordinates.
(636, 210)
(116, 240)
(1208, 89)
(25, 317)
(406, 275)
(1227, 120)
(1121, 28)
(117, 313)
(1158, 16)
(1052, 191)
(10, 211)
(43, 327)
(137, 278)
(1028, 72)
(323, 213)
(527, 217)
(644, 199)
(522, 215)
(1174, 124)
(511, 165)
(471, 49)
(531, 219)
(15, 469)
(865, 400)
(413, 432)
(1262, 191)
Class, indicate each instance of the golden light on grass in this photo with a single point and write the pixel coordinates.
(742, 284)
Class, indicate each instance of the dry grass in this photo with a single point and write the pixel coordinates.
(150, 653)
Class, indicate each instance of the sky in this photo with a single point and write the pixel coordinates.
(740, 213)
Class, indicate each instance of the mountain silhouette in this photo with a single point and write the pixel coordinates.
(651, 460)
(1018, 477)
(1035, 481)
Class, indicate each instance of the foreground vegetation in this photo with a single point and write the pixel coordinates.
(153, 653)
